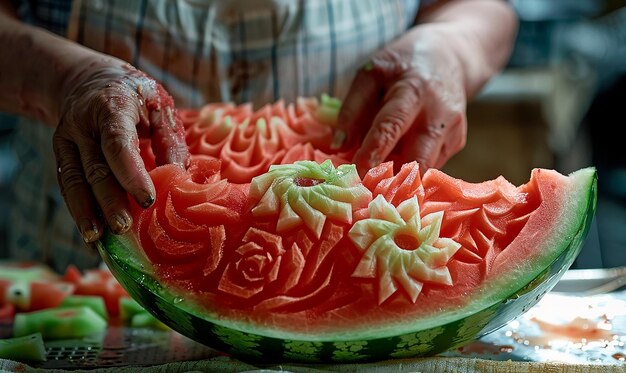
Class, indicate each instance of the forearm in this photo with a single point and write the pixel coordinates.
(480, 33)
(34, 68)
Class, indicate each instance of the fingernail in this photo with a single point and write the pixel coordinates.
(338, 139)
(88, 230)
(120, 222)
(148, 200)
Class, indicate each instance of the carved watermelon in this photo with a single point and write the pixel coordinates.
(306, 261)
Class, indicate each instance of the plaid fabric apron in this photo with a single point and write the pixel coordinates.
(202, 51)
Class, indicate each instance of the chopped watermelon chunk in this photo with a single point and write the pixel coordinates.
(25, 348)
(34, 295)
(60, 323)
(97, 282)
(94, 302)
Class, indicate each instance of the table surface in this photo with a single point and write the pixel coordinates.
(562, 328)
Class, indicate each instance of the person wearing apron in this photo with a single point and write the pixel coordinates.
(404, 71)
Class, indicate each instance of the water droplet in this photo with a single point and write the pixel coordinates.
(177, 300)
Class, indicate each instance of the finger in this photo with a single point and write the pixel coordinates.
(168, 137)
(120, 147)
(454, 142)
(400, 108)
(143, 126)
(357, 108)
(109, 194)
(433, 145)
(168, 132)
(75, 189)
(424, 147)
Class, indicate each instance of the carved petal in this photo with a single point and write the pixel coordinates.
(307, 193)
(398, 267)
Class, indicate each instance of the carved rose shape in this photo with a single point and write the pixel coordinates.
(255, 265)
(272, 276)
(188, 223)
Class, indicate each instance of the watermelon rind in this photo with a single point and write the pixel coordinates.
(491, 307)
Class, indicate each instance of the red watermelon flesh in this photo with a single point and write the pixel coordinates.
(270, 232)
(309, 246)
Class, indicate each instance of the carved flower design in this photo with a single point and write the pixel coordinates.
(256, 264)
(395, 187)
(307, 193)
(248, 141)
(271, 272)
(187, 225)
(401, 249)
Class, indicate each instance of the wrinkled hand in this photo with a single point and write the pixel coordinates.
(106, 107)
(414, 91)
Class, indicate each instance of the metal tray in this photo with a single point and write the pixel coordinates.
(120, 346)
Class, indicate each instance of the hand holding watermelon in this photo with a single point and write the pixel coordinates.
(107, 107)
(422, 112)
(408, 103)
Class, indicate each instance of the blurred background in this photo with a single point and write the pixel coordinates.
(558, 104)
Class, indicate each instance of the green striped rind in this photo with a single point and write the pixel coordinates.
(492, 307)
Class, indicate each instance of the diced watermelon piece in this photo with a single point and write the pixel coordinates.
(7, 311)
(34, 295)
(98, 282)
(146, 320)
(26, 348)
(60, 323)
(94, 302)
(129, 308)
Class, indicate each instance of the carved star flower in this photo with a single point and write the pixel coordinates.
(307, 193)
(400, 249)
